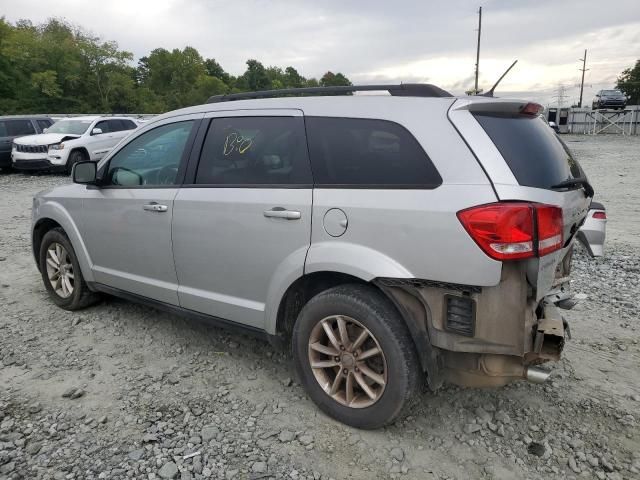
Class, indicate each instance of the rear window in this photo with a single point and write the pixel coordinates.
(534, 153)
(367, 152)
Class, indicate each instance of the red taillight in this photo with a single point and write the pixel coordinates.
(549, 228)
(507, 231)
(600, 215)
(531, 109)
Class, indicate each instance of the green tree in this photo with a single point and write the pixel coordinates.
(629, 83)
(256, 76)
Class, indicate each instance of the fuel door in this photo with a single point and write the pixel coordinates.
(335, 222)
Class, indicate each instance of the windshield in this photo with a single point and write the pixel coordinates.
(534, 153)
(72, 127)
(613, 93)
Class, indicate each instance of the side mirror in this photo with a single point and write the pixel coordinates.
(84, 173)
(96, 131)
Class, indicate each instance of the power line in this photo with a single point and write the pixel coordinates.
(561, 94)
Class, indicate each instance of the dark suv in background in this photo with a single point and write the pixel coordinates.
(13, 127)
(613, 99)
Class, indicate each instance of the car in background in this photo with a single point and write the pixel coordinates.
(18, 126)
(593, 231)
(613, 99)
(69, 141)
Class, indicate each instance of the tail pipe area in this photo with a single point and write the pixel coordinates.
(536, 375)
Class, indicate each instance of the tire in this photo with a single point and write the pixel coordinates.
(74, 157)
(79, 296)
(397, 365)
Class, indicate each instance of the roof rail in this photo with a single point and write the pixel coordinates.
(401, 90)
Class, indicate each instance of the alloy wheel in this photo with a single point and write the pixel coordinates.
(60, 270)
(347, 361)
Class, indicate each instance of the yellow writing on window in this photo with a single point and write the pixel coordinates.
(236, 143)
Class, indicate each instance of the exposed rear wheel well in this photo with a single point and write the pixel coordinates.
(303, 290)
(39, 231)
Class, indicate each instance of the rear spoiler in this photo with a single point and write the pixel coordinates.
(491, 105)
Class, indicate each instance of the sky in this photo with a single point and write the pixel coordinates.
(378, 41)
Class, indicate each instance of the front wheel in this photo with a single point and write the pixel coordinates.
(61, 272)
(75, 157)
(354, 356)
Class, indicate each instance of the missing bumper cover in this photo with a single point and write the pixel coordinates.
(460, 314)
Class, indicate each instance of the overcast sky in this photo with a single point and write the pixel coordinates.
(379, 41)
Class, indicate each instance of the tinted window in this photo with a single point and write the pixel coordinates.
(129, 125)
(152, 159)
(44, 124)
(104, 126)
(16, 128)
(115, 125)
(254, 151)
(533, 151)
(350, 151)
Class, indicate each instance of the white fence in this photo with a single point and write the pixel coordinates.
(594, 122)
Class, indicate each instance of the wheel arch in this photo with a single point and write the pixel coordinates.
(53, 215)
(414, 312)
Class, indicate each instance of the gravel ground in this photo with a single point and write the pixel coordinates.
(123, 391)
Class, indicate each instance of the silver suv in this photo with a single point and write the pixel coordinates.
(387, 238)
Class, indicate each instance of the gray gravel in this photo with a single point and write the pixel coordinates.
(123, 391)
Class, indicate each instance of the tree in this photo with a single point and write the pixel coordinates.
(629, 83)
(57, 67)
(214, 69)
(256, 76)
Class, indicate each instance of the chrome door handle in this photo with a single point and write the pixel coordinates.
(155, 207)
(279, 212)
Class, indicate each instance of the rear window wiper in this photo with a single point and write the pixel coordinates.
(572, 182)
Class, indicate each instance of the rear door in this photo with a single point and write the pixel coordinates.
(242, 220)
(526, 160)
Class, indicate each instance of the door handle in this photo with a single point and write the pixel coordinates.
(279, 212)
(155, 207)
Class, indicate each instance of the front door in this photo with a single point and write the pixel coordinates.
(243, 225)
(127, 220)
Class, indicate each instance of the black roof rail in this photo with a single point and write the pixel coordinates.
(400, 90)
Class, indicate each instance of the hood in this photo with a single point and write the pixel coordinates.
(45, 139)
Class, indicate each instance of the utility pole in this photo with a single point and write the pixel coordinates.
(583, 69)
(475, 86)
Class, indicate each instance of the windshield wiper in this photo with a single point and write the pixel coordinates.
(572, 182)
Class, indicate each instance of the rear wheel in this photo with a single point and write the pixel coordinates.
(354, 356)
(75, 157)
(61, 272)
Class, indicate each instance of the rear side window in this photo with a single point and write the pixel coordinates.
(115, 125)
(129, 124)
(368, 153)
(15, 128)
(533, 151)
(267, 151)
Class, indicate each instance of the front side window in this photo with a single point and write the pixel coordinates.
(70, 127)
(152, 159)
(104, 126)
(16, 128)
(254, 151)
(44, 124)
(367, 152)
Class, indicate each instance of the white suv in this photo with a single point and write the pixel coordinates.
(69, 141)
